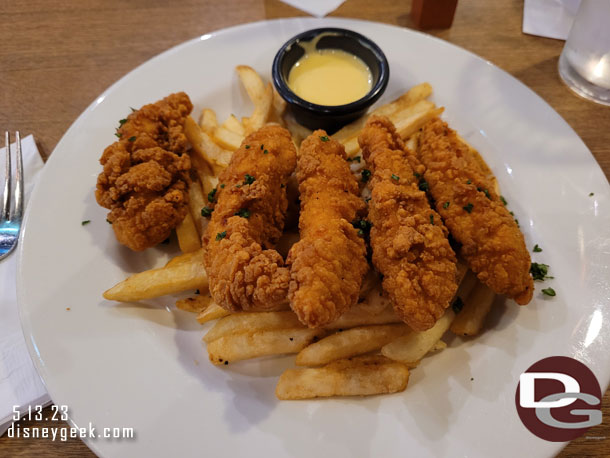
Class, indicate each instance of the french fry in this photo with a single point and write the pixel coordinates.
(471, 318)
(203, 145)
(185, 257)
(176, 278)
(237, 323)
(188, 236)
(438, 347)
(227, 139)
(356, 377)
(297, 131)
(238, 347)
(252, 83)
(196, 203)
(411, 348)
(208, 121)
(261, 112)
(232, 124)
(212, 312)
(352, 342)
(359, 316)
(408, 126)
(411, 97)
(278, 107)
(195, 304)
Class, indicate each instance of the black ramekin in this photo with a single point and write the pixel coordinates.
(330, 117)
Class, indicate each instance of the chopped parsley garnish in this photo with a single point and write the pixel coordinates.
(446, 205)
(132, 109)
(212, 195)
(431, 219)
(262, 146)
(537, 249)
(517, 221)
(363, 226)
(221, 235)
(132, 139)
(590, 194)
(324, 138)
(549, 292)
(247, 146)
(238, 186)
(108, 221)
(243, 213)
(365, 175)
(395, 177)
(468, 207)
(423, 185)
(457, 305)
(222, 185)
(206, 211)
(117, 134)
(417, 175)
(354, 159)
(266, 152)
(249, 179)
(122, 121)
(539, 271)
(503, 200)
(84, 223)
(484, 191)
(468, 182)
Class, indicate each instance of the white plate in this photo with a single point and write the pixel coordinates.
(144, 366)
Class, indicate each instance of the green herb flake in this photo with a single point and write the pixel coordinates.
(423, 186)
(354, 159)
(132, 139)
(132, 109)
(365, 175)
(118, 135)
(262, 147)
(446, 205)
(549, 292)
(539, 271)
(363, 226)
(431, 219)
(243, 213)
(537, 249)
(484, 191)
(221, 235)
(395, 177)
(249, 179)
(84, 223)
(468, 182)
(458, 305)
(212, 195)
(108, 221)
(417, 175)
(247, 146)
(222, 185)
(324, 138)
(503, 200)
(122, 121)
(591, 194)
(206, 211)
(468, 207)
(266, 152)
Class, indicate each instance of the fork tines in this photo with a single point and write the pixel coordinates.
(12, 209)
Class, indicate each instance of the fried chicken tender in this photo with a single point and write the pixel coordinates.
(492, 244)
(245, 272)
(329, 262)
(408, 238)
(144, 180)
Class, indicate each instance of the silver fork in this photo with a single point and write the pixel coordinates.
(12, 209)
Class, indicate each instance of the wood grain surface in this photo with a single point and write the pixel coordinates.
(56, 56)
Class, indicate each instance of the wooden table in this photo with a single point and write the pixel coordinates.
(58, 55)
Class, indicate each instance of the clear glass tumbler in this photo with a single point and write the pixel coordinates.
(584, 64)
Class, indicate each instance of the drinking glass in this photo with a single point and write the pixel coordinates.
(584, 64)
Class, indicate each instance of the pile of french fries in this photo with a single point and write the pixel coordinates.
(368, 350)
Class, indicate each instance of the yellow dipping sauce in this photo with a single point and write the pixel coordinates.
(330, 77)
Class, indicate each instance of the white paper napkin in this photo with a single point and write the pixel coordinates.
(317, 8)
(20, 384)
(549, 18)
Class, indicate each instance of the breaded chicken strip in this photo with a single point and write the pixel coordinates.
(329, 262)
(409, 240)
(244, 272)
(144, 181)
(492, 243)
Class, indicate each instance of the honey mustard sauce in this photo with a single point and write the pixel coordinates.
(329, 76)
